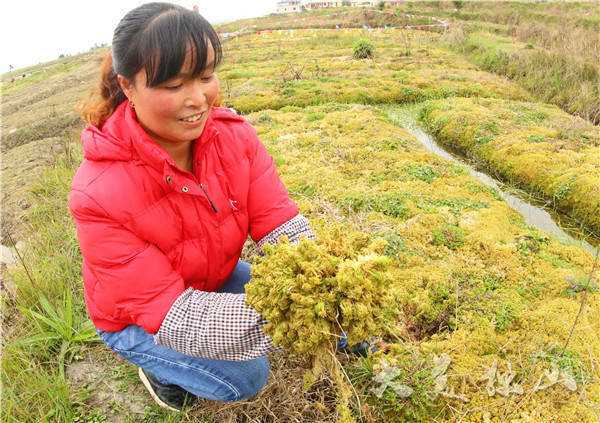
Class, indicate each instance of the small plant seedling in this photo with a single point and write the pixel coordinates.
(577, 285)
(364, 49)
(449, 235)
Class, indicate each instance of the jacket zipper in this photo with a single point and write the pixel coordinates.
(209, 200)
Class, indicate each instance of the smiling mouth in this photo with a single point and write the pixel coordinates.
(193, 118)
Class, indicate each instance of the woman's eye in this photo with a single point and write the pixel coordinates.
(209, 77)
(173, 87)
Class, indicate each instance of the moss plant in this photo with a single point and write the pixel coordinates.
(313, 291)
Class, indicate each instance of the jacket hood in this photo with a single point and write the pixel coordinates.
(121, 138)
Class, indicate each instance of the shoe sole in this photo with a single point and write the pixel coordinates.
(156, 399)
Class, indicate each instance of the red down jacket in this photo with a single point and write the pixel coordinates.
(147, 230)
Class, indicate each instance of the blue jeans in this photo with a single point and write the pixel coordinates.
(219, 380)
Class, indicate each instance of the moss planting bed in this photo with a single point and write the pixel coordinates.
(313, 67)
(485, 302)
(535, 146)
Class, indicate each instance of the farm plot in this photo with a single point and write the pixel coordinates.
(311, 68)
(39, 122)
(485, 301)
(536, 146)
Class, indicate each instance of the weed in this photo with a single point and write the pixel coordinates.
(395, 244)
(457, 204)
(361, 370)
(530, 291)
(311, 117)
(291, 109)
(505, 315)
(416, 375)
(84, 415)
(555, 260)
(240, 75)
(265, 118)
(304, 189)
(33, 390)
(375, 178)
(363, 49)
(536, 117)
(422, 172)
(532, 242)
(534, 138)
(450, 236)
(570, 362)
(401, 76)
(391, 204)
(485, 132)
(577, 285)
(279, 160)
(476, 187)
(563, 192)
(391, 144)
(58, 328)
(490, 283)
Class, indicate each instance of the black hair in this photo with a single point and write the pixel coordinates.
(157, 37)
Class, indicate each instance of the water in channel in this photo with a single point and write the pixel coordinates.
(536, 216)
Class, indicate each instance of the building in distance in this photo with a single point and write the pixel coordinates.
(289, 6)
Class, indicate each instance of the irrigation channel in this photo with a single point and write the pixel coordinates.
(534, 215)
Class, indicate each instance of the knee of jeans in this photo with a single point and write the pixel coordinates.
(253, 380)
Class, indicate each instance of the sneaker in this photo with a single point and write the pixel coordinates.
(171, 397)
(365, 348)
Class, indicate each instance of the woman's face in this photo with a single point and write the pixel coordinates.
(176, 110)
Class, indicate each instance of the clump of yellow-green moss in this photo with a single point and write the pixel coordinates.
(313, 291)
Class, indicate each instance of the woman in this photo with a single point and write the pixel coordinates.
(163, 202)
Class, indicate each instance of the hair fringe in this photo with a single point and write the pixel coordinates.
(99, 104)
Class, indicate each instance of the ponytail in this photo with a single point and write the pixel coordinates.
(100, 104)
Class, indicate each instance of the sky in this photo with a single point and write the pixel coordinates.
(38, 31)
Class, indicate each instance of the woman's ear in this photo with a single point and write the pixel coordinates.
(126, 86)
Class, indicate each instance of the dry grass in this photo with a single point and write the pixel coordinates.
(282, 400)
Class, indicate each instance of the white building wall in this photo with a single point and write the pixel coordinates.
(322, 4)
(364, 3)
(289, 6)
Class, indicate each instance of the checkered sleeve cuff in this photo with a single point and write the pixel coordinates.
(214, 325)
(293, 229)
